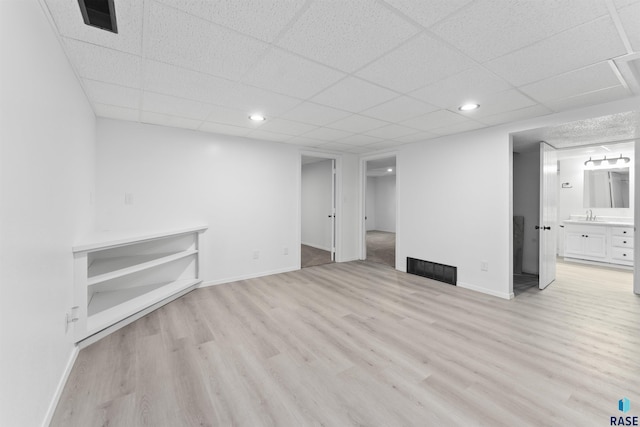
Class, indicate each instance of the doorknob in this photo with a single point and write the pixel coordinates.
(538, 227)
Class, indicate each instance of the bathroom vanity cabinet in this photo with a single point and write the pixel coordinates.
(604, 242)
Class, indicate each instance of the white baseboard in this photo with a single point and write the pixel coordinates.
(63, 381)
(247, 276)
(503, 295)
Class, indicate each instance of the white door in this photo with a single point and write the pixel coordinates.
(548, 213)
(332, 216)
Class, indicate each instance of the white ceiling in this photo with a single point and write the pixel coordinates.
(614, 128)
(352, 76)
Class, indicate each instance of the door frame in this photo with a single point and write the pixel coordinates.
(636, 216)
(337, 194)
(362, 226)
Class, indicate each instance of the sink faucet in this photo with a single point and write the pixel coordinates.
(590, 216)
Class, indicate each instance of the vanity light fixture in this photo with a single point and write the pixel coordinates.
(389, 170)
(468, 107)
(620, 161)
(257, 117)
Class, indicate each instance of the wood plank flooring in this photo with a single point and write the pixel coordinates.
(362, 344)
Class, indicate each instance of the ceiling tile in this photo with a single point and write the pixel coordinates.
(599, 76)
(469, 86)
(589, 44)
(167, 120)
(630, 17)
(231, 117)
(420, 136)
(327, 134)
(107, 65)
(401, 108)
(286, 73)
(487, 29)
(418, 62)
(224, 129)
(359, 140)
(354, 95)
(255, 100)
(384, 145)
(592, 98)
(268, 136)
(185, 108)
(512, 116)
(172, 80)
(315, 114)
(357, 124)
(304, 141)
(346, 34)
(434, 120)
(496, 103)
(181, 39)
(391, 131)
(619, 4)
(115, 112)
(286, 126)
(458, 128)
(263, 19)
(359, 150)
(427, 13)
(69, 22)
(335, 146)
(106, 93)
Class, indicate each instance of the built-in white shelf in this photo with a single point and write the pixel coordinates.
(111, 268)
(119, 278)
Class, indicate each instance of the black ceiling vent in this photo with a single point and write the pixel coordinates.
(99, 13)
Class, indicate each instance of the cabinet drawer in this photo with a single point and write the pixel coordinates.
(622, 242)
(621, 254)
(622, 231)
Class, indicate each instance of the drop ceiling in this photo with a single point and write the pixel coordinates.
(350, 76)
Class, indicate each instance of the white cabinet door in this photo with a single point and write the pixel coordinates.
(595, 245)
(574, 244)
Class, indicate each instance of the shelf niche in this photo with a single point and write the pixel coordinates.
(120, 280)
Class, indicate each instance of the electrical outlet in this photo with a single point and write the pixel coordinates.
(256, 254)
(285, 251)
(484, 266)
(128, 198)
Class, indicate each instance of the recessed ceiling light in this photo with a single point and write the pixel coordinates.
(468, 107)
(389, 170)
(257, 117)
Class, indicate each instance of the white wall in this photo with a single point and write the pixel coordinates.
(370, 200)
(245, 190)
(458, 212)
(526, 202)
(386, 203)
(348, 193)
(464, 218)
(316, 204)
(47, 175)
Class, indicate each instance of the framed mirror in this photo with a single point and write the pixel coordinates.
(606, 188)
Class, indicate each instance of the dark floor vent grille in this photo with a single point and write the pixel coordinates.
(433, 270)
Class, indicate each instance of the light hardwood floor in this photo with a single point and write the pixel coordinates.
(362, 344)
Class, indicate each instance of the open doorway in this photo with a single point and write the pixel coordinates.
(592, 237)
(380, 211)
(318, 211)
